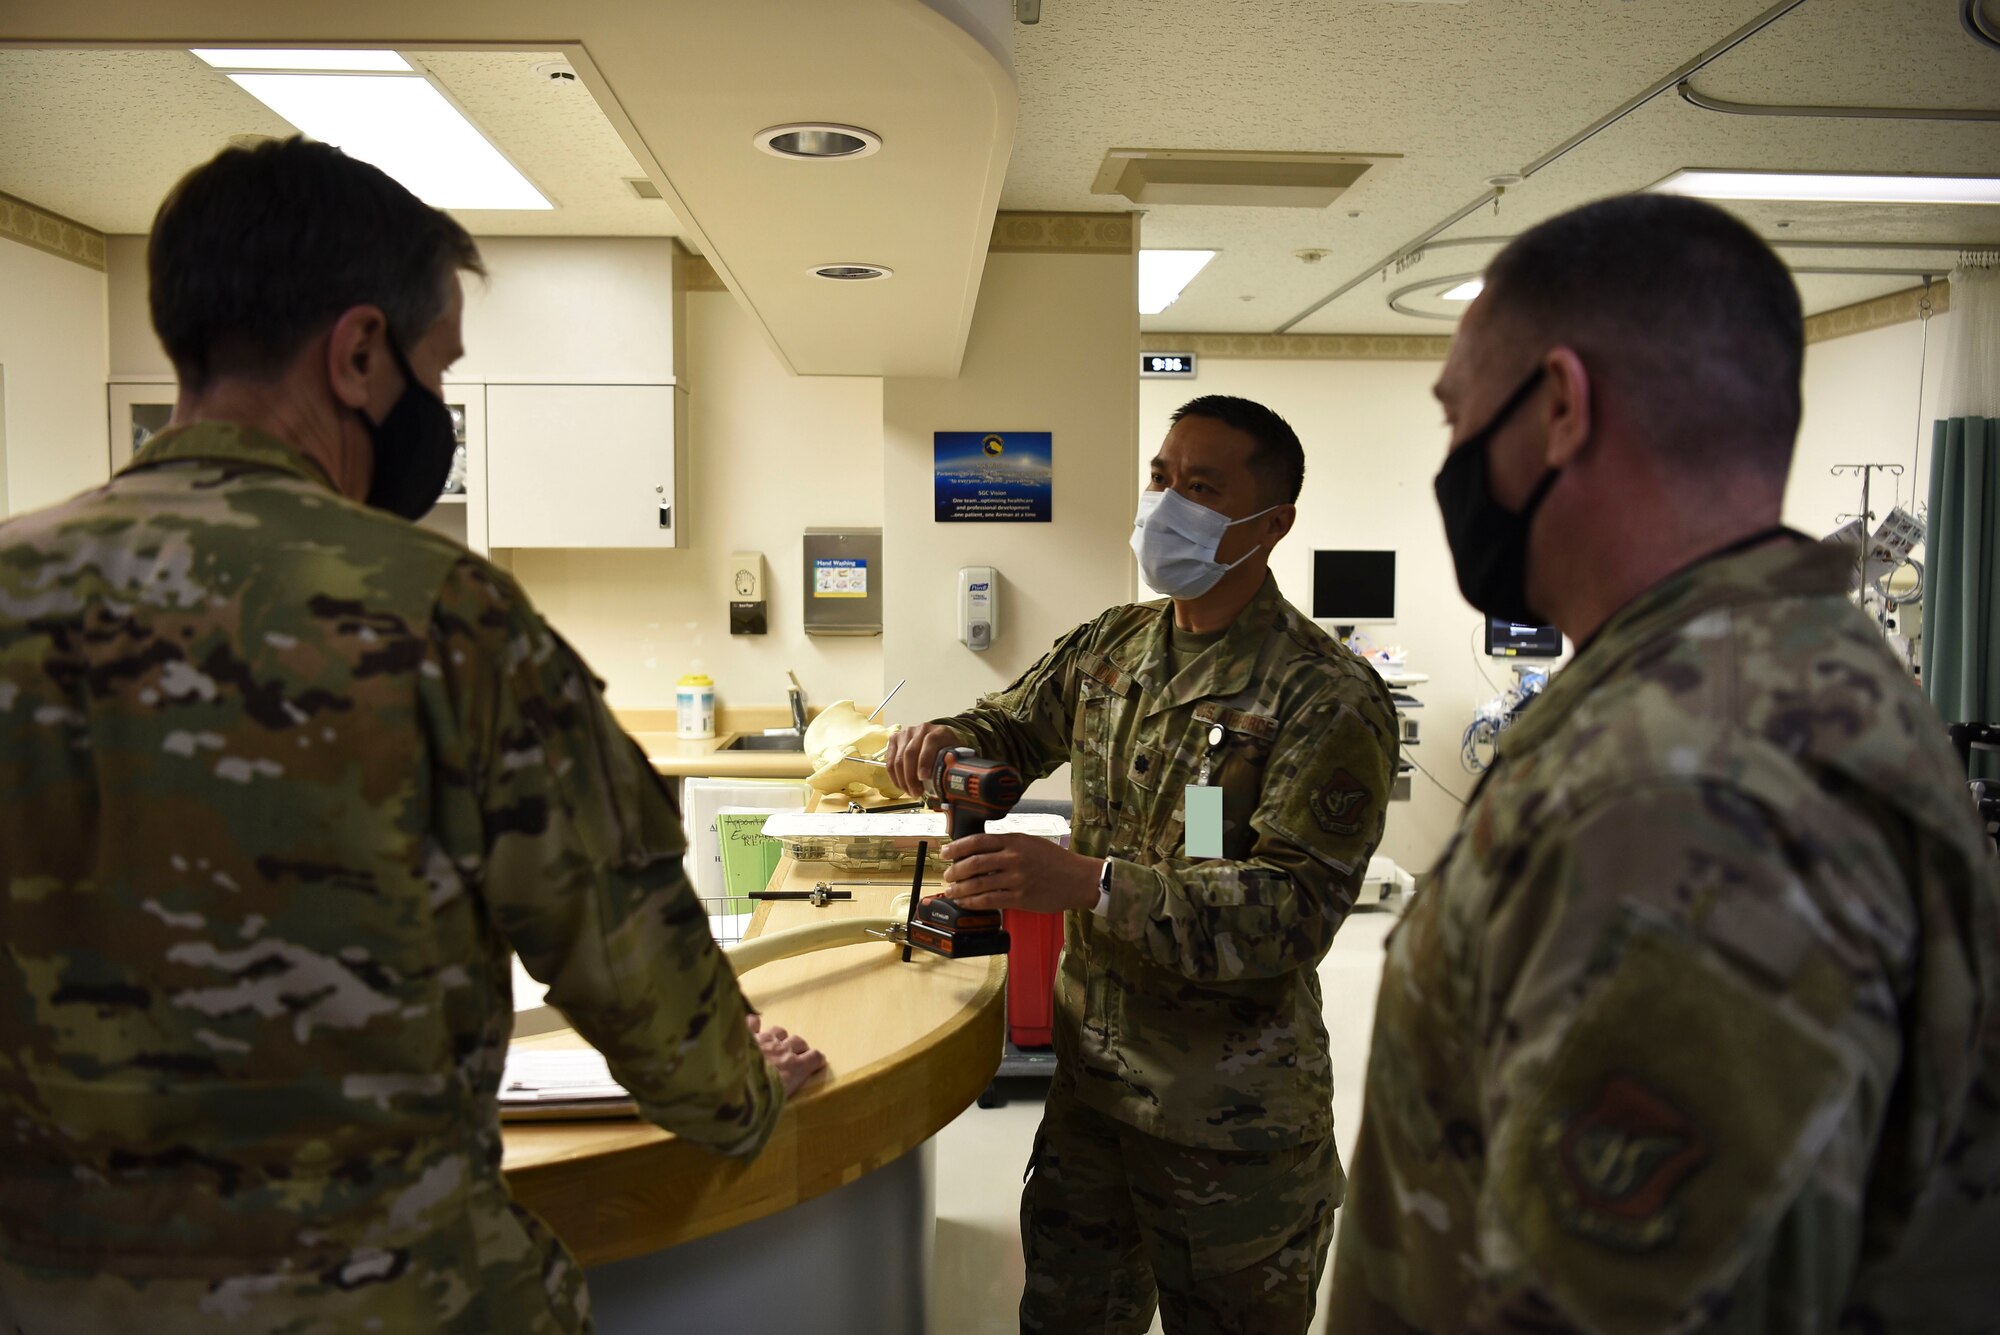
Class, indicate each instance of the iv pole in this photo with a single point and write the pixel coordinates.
(1867, 472)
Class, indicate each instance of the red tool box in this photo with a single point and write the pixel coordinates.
(1031, 976)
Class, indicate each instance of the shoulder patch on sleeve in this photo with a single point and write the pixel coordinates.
(1614, 1167)
(1340, 804)
(1643, 1155)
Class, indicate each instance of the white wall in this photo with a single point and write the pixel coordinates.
(1374, 438)
(1861, 407)
(52, 352)
(771, 454)
(1054, 347)
(135, 351)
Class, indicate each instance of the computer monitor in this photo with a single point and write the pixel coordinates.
(1514, 639)
(1354, 587)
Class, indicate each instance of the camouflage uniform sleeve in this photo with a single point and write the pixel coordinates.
(1670, 1096)
(1318, 817)
(1028, 724)
(581, 866)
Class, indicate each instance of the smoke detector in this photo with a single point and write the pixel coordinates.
(555, 71)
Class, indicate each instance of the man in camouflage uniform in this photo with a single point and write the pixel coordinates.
(1186, 1155)
(1697, 1023)
(283, 779)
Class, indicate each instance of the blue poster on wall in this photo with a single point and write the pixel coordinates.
(1002, 477)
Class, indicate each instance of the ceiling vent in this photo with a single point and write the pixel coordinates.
(642, 187)
(1243, 179)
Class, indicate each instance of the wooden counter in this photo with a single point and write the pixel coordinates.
(908, 1046)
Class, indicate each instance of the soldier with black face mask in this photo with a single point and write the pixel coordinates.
(1696, 1024)
(283, 780)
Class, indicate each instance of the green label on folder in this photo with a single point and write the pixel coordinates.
(1202, 818)
(748, 857)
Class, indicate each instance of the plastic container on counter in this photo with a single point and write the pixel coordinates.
(694, 707)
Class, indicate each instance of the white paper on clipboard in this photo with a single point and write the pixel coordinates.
(558, 1075)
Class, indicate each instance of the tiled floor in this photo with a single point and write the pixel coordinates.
(976, 1268)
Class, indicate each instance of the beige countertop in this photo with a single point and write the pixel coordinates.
(681, 758)
(908, 1047)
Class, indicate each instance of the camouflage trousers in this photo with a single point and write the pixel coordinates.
(1115, 1222)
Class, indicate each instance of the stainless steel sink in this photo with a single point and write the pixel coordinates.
(770, 741)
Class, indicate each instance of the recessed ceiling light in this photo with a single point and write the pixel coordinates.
(817, 142)
(280, 58)
(1465, 291)
(1163, 273)
(1833, 187)
(852, 273)
(405, 126)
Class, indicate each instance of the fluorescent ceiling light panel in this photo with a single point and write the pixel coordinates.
(1466, 291)
(1163, 273)
(1833, 187)
(278, 58)
(406, 127)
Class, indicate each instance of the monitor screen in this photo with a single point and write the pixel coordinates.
(1513, 639)
(1350, 587)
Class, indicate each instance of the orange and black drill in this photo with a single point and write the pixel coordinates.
(972, 791)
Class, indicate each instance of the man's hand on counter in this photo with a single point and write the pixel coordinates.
(792, 1057)
(913, 750)
(1019, 871)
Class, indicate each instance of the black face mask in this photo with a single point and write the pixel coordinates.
(1489, 545)
(413, 447)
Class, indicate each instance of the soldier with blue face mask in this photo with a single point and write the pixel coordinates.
(1230, 765)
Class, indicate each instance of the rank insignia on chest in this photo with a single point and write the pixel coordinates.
(1614, 1170)
(1340, 804)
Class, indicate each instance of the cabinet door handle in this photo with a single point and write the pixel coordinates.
(666, 515)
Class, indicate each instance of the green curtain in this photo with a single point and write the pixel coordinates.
(1961, 643)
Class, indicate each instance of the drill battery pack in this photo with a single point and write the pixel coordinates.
(944, 928)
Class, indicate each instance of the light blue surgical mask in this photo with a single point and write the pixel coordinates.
(1175, 540)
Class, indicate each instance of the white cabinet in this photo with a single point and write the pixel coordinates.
(585, 465)
(140, 408)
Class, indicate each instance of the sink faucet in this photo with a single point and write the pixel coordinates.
(797, 696)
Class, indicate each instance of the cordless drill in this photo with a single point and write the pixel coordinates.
(972, 791)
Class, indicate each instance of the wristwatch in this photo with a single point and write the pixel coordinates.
(1103, 890)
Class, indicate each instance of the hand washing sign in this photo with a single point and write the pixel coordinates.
(840, 577)
(993, 476)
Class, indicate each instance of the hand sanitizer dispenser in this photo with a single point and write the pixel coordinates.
(978, 607)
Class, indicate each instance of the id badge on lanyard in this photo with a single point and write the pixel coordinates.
(1201, 806)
